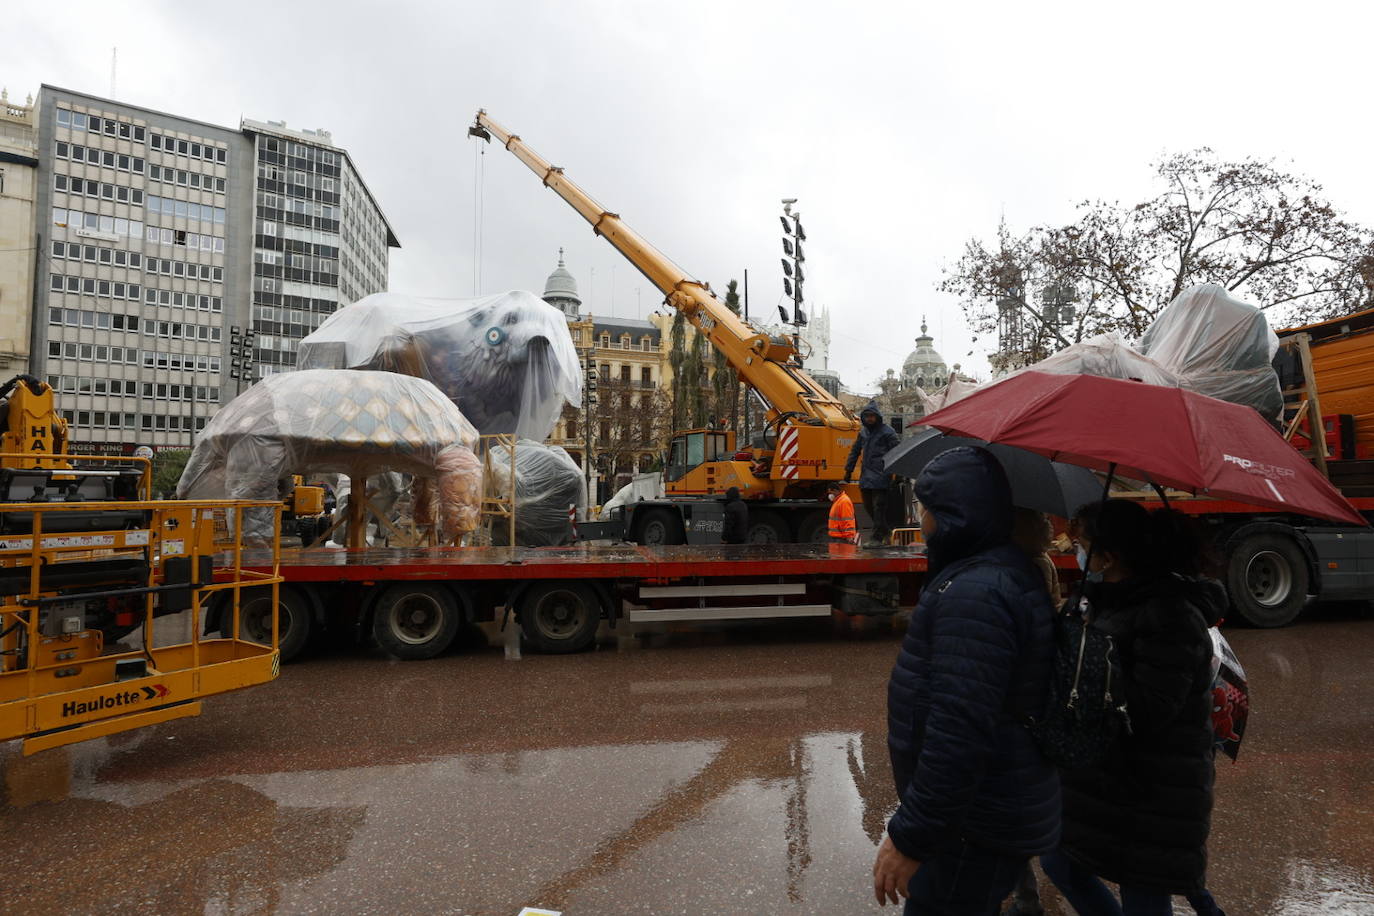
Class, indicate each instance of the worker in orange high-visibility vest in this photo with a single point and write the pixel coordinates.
(843, 530)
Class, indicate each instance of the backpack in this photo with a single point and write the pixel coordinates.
(1082, 716)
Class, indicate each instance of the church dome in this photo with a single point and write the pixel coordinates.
(560, 290)
(925, 367)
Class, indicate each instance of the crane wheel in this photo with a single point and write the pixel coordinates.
(1268, 578)
(660, 527)
(559, 617)
(814, 528)
(295, 622)
(413, 621)
(767, 528)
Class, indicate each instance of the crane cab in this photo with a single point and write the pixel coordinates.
(703, 462)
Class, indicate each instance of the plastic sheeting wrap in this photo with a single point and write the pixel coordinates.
(1218, 346)
(956, 390)
(507, 360)
(1107, 355)
(326, 421)
(644, 486)
(547, 482)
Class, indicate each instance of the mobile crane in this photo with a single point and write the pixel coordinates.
(808, 430)
(86, 555)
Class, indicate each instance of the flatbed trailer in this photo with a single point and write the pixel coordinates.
(414, 601)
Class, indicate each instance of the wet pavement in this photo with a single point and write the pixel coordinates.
(733, 771)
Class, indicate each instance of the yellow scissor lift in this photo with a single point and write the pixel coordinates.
(59, 684)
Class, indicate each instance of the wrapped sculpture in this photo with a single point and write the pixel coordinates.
(1205, 340)
(1218, 346)
(507, 360)
(547, 482)
(328, 421)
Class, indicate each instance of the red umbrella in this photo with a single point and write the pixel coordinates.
(1168, 436)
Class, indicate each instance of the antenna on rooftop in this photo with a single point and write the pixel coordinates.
(114, 62)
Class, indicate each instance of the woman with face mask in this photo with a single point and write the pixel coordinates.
(1140, 819)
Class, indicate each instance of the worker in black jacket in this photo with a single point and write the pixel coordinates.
(735, 528)
(873, 441)
(977, 798)
(1141, 817)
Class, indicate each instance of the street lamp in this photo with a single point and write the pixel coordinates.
(793, 277)
(588, 419)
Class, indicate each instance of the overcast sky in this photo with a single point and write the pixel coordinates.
(901, 130)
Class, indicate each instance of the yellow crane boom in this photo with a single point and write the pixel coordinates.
(767, 364)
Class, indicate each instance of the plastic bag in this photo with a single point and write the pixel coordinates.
(326, 421)
(1230, 697)
(1219, 346)
(507, 360)
(547, 482)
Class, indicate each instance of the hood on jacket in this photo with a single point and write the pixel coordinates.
(871, 408)
(967, 491)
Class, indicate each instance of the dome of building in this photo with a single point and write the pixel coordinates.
(560, 290)
(925, 367)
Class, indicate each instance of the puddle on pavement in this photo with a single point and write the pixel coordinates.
(735, 779)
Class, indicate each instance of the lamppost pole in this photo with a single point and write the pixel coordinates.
(793, 276)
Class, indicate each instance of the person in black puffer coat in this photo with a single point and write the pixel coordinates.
(1141, 818)
(977, 799)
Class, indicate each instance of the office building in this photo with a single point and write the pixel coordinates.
(184, 261)
(320, 241)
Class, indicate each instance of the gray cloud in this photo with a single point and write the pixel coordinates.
(902, 130)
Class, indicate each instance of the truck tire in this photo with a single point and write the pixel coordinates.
(559, 617)
(814, 528)
(1268, 579)
(413, 622)
(767, 528)
(295, 622)
(660, 527)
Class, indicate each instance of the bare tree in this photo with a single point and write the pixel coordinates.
(1266, 234)
(627, 422)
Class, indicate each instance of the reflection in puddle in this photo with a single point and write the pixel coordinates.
(1325, 889)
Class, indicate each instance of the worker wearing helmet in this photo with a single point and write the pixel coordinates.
(843, 530)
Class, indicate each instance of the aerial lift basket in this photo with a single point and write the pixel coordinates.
(59, 682)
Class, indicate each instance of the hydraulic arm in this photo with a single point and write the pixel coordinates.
(767, 364)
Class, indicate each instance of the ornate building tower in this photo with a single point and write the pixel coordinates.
(560, 291)
(924, 367)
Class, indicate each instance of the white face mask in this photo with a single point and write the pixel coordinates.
(1088, 574)
(830, 496)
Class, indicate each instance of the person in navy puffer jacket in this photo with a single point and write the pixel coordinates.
(977, 799)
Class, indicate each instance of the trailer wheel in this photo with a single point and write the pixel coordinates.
(294, 620)
(1268, 579)
(767, 528)
(413, 622)
(814, 529)
(559, 616)
(661, 526)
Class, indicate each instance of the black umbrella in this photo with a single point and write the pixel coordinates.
(1036, 481)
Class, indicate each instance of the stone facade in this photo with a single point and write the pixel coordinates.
(18, 189)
